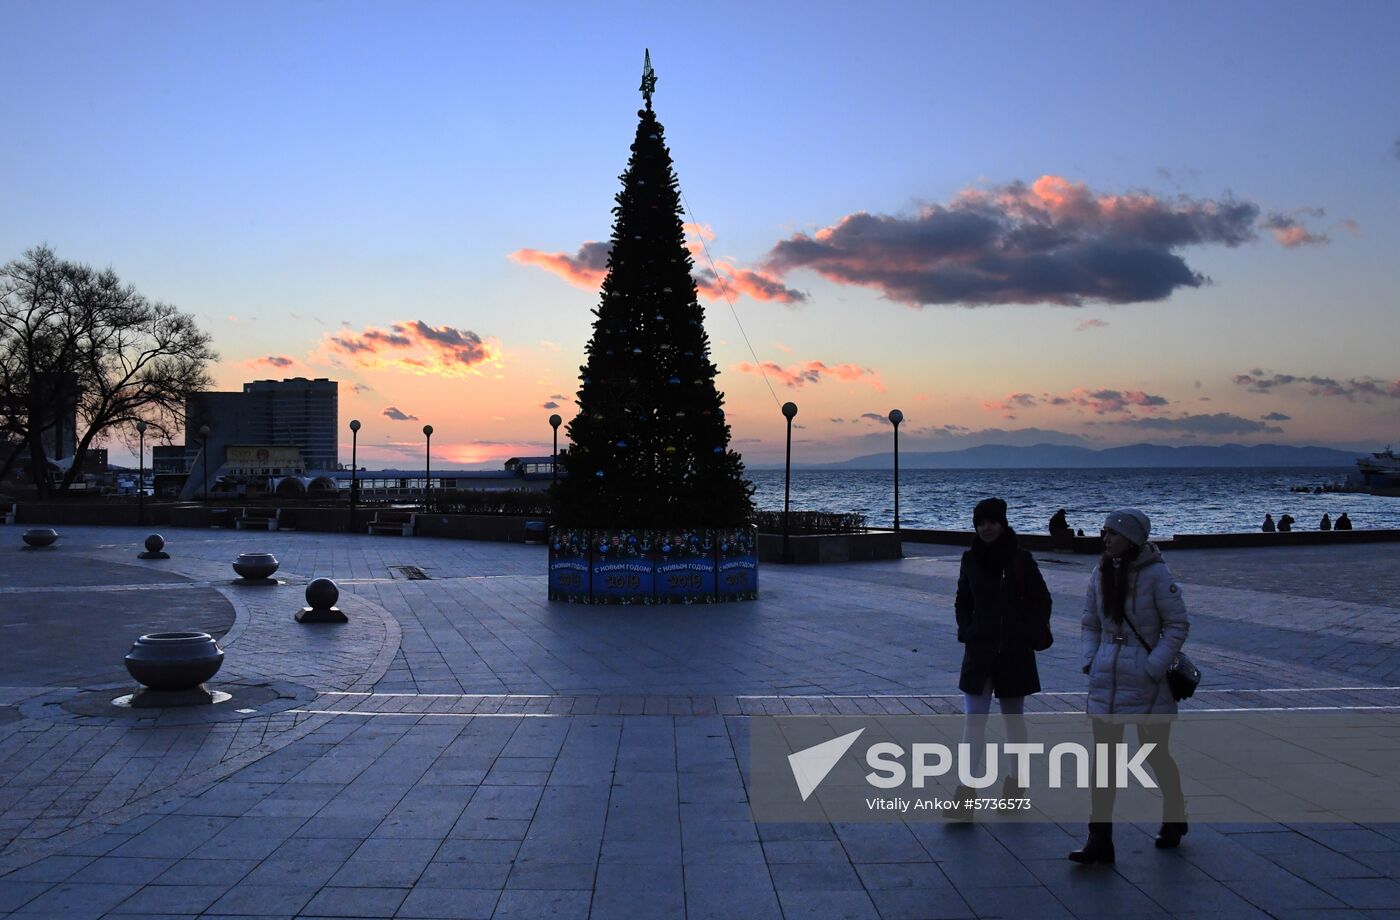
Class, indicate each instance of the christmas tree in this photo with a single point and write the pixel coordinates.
(650, 445)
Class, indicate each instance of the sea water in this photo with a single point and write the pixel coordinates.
(1177, 500)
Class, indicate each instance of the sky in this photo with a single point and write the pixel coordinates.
(1075, 223)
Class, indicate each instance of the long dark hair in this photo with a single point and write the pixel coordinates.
(1113, 579)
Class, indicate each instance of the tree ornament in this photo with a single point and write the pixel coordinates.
(674, 380)
(599, 474)
(670, 448)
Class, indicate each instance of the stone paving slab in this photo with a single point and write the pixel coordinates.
(476, 751)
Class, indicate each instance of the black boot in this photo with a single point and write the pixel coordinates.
(1099, 848)
(1170, 834)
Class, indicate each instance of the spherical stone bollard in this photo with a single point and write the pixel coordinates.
(172, 668)
(322, 594)
(256, 568)
(39, 537)
(155, 548)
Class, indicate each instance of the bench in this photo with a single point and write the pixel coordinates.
(396, 523)
(256, 519)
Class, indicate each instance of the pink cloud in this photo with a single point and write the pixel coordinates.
(589, 266)
(277, 361)
(1052, 241)
(1290, 233)
(415, 347)
(1088, 324)
(1367, 389)
(585, 269)
(1102, 401)
(798, 375)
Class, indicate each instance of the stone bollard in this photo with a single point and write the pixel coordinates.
(39, 537)
(256, 568)
(172, 668)
(322, 594)
(155, 548)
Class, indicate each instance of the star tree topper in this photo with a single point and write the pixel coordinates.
(648, 79)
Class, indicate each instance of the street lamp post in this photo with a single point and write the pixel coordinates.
(895, 418)
(427, 466)
(141, 473)
(354, 471)
(554, 422)
(789, 412)
(204, 450)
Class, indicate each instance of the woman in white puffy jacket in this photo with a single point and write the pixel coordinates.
(1133, 627)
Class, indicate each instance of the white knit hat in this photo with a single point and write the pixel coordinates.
(1131, 523)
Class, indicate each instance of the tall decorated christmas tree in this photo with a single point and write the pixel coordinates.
(650, 444)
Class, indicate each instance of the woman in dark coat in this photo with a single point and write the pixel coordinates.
(1003, 611)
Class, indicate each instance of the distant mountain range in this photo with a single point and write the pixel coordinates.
(1059, 456)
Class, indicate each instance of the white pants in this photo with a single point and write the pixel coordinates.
(976, 707)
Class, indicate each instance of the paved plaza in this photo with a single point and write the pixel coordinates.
(464, 749)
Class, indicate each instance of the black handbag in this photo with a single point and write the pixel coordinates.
(1182, 674)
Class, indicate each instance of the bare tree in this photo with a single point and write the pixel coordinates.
(73, 337)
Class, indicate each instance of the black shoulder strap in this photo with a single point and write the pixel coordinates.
(1135, 631)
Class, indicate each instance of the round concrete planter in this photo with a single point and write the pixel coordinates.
(174, 660)
(40, 536)
(256, 565)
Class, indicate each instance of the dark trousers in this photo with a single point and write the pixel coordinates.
(1160, 762)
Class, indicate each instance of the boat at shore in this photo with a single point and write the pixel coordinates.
(1378, 474)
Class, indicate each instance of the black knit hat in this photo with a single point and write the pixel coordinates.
(990, 509)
